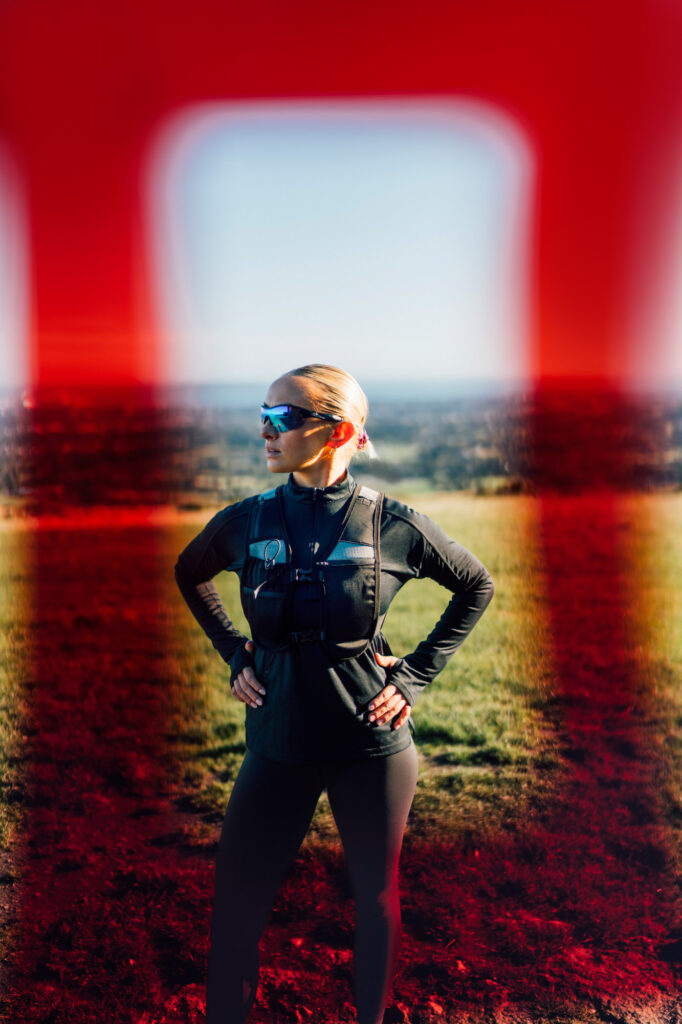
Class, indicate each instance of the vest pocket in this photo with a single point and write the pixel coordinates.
(266, 609)
(349, 604)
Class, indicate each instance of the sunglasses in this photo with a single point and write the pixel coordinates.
(289, 417)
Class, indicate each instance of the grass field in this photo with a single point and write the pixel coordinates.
(541, 868)
(479, 728)
(15, 582)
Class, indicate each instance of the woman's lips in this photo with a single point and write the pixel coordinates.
(271, 451)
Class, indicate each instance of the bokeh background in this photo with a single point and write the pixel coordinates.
(477, 211)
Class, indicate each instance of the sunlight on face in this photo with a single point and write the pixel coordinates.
(303, 448)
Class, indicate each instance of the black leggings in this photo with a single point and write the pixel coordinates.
(267, 817)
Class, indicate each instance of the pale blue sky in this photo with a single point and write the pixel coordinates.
(655, 341)
(13, 279)
(390, 238)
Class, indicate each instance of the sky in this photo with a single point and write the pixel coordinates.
(13, 279)
(391, 239)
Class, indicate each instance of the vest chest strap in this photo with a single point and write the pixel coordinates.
(306, 575)
(306, 636)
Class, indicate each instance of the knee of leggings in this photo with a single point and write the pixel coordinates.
(379, 903)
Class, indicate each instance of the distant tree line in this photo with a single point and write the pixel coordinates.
(66, 451)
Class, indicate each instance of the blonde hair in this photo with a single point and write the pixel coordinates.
(337, 392)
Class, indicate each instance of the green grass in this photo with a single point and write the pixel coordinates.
(478, 726)
(656, 550)
(487, 746)
(15, 581)
(492, 753)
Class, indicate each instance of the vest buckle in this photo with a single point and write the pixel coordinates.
(305, 636)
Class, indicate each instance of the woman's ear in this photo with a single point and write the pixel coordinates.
(341, 434)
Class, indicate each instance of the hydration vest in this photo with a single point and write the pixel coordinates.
(346, 575)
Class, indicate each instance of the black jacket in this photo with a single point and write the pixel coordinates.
(315, 709)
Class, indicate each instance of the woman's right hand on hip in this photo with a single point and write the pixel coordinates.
(247, 687)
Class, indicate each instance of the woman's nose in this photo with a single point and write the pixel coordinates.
(267, 430)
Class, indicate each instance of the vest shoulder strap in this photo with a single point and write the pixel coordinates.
(267, 495)
(368, 494)
(259, 505)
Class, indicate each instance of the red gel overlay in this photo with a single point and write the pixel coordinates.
(579, 904)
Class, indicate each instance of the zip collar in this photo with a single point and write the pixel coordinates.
(334, 495)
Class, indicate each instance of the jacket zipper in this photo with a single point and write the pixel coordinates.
(314, 530)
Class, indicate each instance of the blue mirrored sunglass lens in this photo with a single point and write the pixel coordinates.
(281, 417)
(277, 423)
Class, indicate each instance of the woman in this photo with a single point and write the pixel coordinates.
(327, 705)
